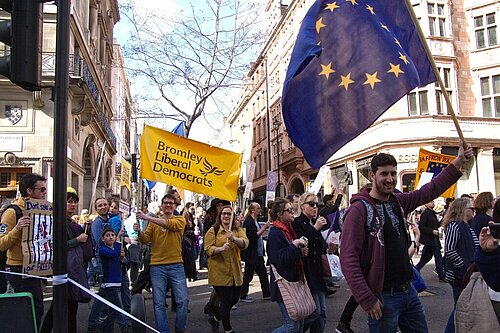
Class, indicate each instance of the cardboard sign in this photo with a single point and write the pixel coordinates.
(37, 240)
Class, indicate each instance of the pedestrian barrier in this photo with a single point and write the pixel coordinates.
(60, 279)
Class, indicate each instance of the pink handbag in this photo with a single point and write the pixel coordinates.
(297, 297)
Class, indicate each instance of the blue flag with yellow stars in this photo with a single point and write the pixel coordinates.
(352, 60)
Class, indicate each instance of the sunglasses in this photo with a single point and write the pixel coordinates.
(42, 189)
(226, 214)
(312, 203)
(290, 210)
(168, 203)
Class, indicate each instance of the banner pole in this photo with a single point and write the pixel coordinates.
(451, 112)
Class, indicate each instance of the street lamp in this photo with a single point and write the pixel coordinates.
(276, 127)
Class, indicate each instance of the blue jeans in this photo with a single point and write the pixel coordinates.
(430, 251)
(315, 323)
(401, 309)
(111, 294)
(160, 277)
(125, 294)
(289, 325)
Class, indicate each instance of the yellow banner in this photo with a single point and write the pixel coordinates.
(429, 165)
(126, 169)
(188, 164)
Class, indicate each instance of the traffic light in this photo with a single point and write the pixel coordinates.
(23, 33)
(132, 158)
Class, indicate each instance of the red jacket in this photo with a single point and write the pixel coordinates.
(363, 262)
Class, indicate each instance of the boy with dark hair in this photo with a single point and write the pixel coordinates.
(111, 255)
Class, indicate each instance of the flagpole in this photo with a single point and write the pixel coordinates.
(436, 71)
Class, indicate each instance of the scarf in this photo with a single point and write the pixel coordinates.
(289, 233)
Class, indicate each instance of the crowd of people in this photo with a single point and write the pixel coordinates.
(157, 249)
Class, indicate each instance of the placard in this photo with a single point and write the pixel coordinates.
(37, 243)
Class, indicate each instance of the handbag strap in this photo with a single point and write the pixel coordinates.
(276, 274)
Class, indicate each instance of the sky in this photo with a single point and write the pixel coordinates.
(200, 131)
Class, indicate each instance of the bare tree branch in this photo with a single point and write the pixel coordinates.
(188, 59)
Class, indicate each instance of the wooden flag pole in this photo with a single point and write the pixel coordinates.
(436, 71)
(232, 217)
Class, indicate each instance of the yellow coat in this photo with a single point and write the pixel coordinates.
(10, 236)
(166, 242)
(224, 268)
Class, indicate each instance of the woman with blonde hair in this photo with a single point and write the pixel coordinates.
(223, 244)
(459, 249)
(309, 225)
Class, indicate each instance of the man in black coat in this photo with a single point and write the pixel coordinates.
(253, 255)
(429, 236)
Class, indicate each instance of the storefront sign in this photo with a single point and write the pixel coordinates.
(11, 143)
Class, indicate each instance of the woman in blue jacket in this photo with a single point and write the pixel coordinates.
(285, 253)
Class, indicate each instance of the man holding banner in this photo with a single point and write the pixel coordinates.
(165, 235)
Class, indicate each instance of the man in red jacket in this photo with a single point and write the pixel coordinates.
(375, 241)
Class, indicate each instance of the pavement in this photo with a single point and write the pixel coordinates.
(264, 316)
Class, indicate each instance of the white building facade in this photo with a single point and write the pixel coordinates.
(463, 39)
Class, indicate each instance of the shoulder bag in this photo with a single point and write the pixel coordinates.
(297, 297)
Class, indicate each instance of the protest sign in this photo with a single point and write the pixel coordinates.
(37, 238)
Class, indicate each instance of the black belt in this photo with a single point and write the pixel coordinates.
(398, 289)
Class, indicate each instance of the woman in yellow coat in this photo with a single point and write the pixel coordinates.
(223, 243)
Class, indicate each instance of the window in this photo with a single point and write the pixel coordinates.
(418, 103)
(486, 31)
(437, 19)
(490, 94)
(440, 100)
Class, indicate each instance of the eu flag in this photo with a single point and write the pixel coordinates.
(352, 60)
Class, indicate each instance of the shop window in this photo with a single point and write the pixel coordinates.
(408, 182)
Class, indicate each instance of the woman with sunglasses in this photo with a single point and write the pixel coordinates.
(223, 243)
(309, 225)
(285, 252)
(459, 248)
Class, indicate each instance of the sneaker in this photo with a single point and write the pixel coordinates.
(344, 328)
(247, 299)
(267, 298)
(443, 280)
(234, 307)
(214, 324)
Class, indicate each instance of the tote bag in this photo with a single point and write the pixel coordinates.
(297, 297)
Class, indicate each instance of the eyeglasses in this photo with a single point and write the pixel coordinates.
(312, 203)
(42, 189)
(168, 203)
(225, 214)
(290, 210)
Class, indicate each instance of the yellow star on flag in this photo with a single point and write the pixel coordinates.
(319, 25)
(353, 2)
(384, 27)
(403, 57)
(397, 42)
(371, 79)
(346, 81)
(395, 69)
(370, 8)
(332, 6)
(326, 70)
